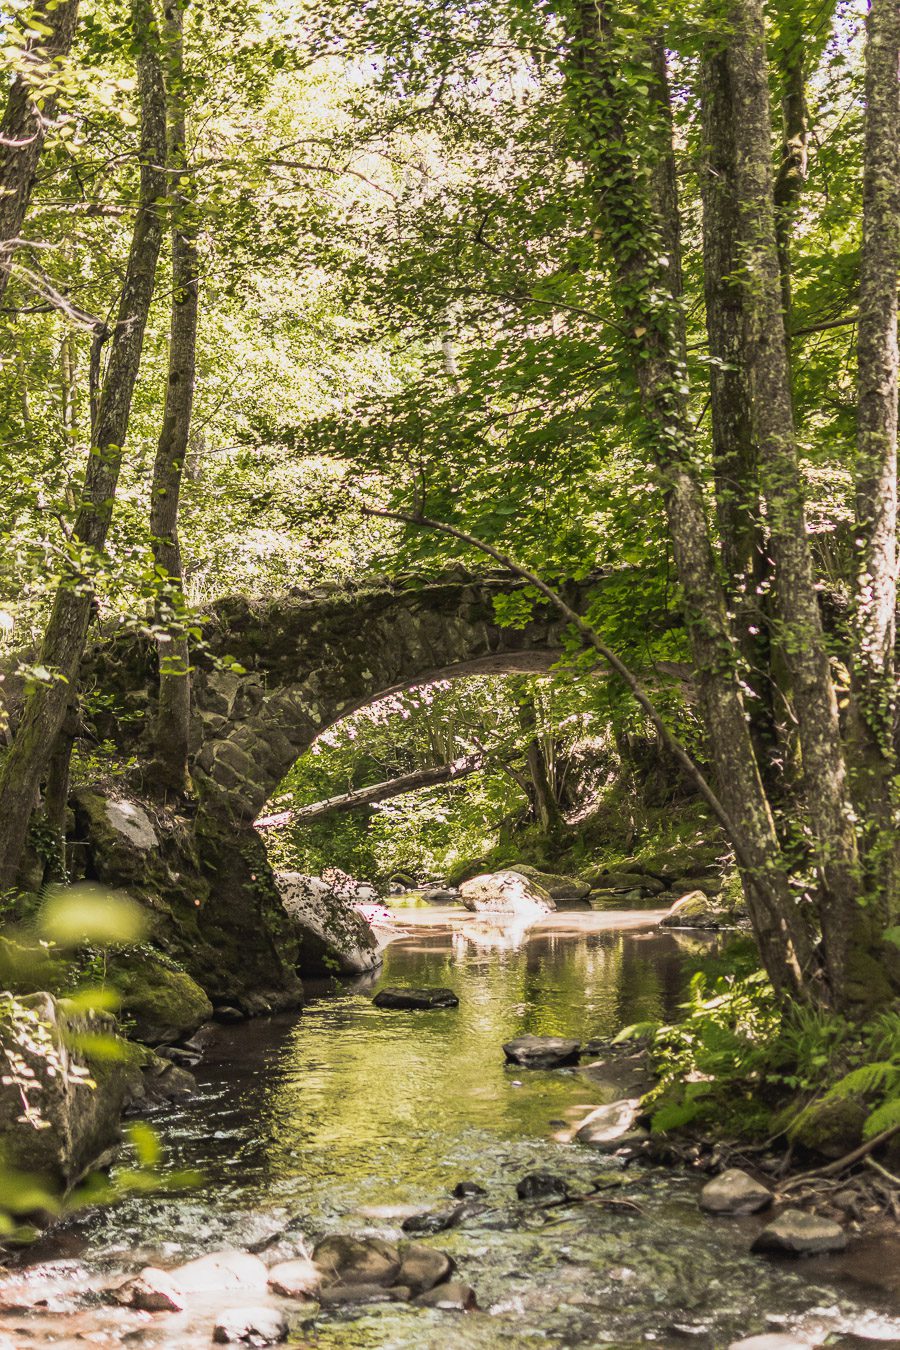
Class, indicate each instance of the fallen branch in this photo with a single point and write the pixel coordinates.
(378, 792)
(841, 1164)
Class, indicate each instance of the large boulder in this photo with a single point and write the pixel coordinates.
(506, 892)
(76, 1076)
(416, 1000)
(566, 892)
(795, 1233)
(334, 938)
(734, 1192)
(542, 1052)
(614, 1126)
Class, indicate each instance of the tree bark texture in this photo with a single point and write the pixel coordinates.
(67, 627)
(874, 676)
(798, 633)
(23, 128)
(170, 767)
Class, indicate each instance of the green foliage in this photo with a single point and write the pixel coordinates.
(737, 1057)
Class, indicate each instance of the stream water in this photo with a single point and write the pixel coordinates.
(346, 1118)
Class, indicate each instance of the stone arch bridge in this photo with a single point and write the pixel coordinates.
(306, 660)
(269, 676)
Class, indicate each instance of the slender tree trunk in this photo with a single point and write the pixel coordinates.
(645, 249)
(170, 767)
(378, 792)
(874, 677)
(23, 128)
(799, 632)
(744, 558)
(67, 627)
(794, 158)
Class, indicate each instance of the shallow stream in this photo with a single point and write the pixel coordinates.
(346, 1118)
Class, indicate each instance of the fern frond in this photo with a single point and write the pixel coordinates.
(884, 1117)
(878, 1077)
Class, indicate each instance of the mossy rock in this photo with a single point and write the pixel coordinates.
(80, 1122)
(831, 1126)
(559, 888)
(164, 1004)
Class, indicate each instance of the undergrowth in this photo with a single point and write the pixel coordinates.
(738, 1058)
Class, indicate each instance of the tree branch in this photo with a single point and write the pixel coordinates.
(378, 792)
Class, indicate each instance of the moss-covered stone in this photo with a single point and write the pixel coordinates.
(830, 1126)
(559, 888)
(162, 1003)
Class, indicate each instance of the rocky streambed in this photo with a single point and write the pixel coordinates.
(408, 1131)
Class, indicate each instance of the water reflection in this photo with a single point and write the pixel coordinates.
(348, 1117)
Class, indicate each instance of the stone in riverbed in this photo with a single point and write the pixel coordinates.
(797, 1234)
(348, 1260)
(333, 935)
(464, 1189)
(438, 1221)
(295, 1279)
(542, 1186)
(734, 1192)
(153, 1290)
(221, 1272)
(250, 1326)
(506, 893)
(337, 1294)
(542, 1052)
(454, 1296)
(417, 999)
(613, 1126)
(775, 1340)
(423, 1267)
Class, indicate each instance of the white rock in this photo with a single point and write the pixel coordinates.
(250, 1326)
(333, 935)
(223, 1272)
(132, 821)
(771, 1341)
(609, 1124)
(734, 1192)
(505, 893)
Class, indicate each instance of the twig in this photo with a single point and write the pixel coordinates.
(592, 639)
(870, 1162)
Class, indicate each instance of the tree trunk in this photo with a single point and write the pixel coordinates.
(23, 127)
(874, 720)
(799, 626)
(794, 157)
(742, 545)
(170, 766)
(66, 632)
(644, 247)
(378, 792)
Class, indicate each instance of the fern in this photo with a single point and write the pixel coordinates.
(882, 1076)
(884, 1117)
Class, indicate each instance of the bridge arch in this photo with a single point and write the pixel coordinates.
(308, 660)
